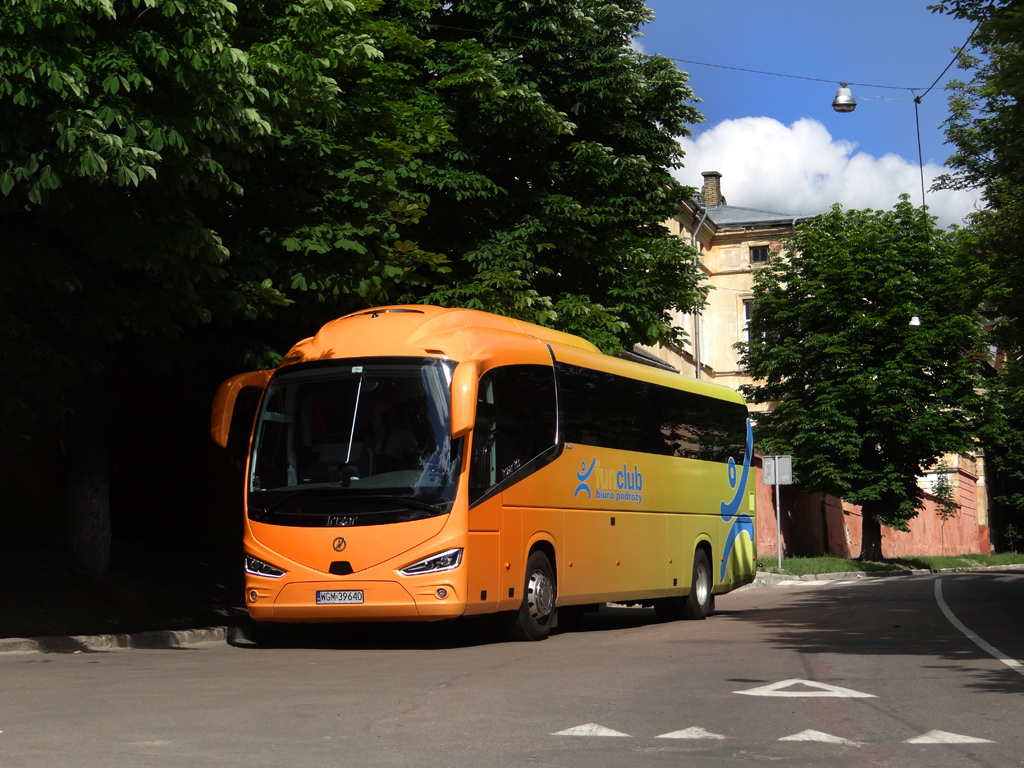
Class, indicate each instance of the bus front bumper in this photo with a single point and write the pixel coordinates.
(380, 601)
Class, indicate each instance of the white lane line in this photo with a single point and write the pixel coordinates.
(1013, 664)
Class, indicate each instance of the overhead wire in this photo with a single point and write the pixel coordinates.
(912, 89)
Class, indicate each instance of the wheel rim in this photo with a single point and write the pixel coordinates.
(540, 590)
(702, 583)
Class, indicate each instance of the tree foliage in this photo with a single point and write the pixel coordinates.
(173, 165)
(865, 402)
(115, 119)
(169, 167)
(986, 127)
(550, 200)
(187, 181)
(166, 164)
(1001, 434)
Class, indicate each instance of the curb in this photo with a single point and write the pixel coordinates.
(161, 640)
(769, 579)
(772, 579)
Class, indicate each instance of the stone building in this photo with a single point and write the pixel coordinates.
(733, 243)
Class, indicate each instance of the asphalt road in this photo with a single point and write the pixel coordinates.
(910, 671)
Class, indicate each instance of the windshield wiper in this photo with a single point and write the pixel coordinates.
(286, 494)
(405, 500)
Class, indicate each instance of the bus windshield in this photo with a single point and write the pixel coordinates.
(363, 442)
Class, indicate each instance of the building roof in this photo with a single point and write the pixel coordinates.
(725, 216)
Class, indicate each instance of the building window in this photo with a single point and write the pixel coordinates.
(748, 309)
(758, 254)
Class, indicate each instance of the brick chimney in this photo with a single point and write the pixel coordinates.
(712, 189)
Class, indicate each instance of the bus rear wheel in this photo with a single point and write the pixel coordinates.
(698, 602)
(536, 615)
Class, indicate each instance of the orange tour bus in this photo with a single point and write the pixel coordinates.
(420, 463)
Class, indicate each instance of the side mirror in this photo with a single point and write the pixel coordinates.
(224, 402)
(464, 392)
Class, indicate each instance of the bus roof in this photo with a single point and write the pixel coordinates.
(467, 334)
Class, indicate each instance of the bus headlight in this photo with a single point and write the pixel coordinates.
(257, 567)
(443, 561)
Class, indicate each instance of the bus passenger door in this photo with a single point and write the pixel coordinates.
(482, 560)
(514, 435)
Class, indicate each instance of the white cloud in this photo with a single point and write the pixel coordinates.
(801, 169)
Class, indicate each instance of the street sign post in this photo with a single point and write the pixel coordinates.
(777, 470)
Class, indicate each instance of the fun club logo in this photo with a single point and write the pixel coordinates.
(609, 484)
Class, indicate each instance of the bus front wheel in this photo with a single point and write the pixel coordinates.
(536, 615)
(698, 602)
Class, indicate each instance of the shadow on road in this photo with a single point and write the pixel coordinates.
(457, 633)
(904, 619)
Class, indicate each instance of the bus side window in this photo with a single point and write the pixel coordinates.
(516, 420)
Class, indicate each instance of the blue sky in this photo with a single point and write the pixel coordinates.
(777, 140)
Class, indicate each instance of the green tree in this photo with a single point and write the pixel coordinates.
(176, 173)
(115, 120)
(1001, 434)
(327, 210)
(143, 142)
(864, 401)
(550, 202)
(986, 128)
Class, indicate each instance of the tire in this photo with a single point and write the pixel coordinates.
(698, 603)
(537, 615)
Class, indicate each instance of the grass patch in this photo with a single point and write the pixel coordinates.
(803, 566)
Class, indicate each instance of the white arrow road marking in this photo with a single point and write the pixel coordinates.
(691, 733)
(822, 689)
(819, 736)
(590, 729)
(1007, 578)
(1013, 664)
(943, 737)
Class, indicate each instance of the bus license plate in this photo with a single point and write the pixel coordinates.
(339, 597)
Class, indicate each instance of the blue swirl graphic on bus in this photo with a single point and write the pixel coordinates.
(583, 476)
(730, 508)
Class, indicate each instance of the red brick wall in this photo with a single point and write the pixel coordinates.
(814, 524)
